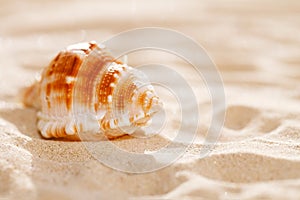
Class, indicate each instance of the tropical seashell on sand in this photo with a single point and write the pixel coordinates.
(85, 90)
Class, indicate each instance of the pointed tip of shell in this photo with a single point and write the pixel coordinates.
(30, 96)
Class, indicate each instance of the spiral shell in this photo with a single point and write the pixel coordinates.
(86, 90)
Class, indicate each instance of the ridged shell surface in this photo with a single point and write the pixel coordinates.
(85, 90)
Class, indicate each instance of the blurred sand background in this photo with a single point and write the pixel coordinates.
(255, 45)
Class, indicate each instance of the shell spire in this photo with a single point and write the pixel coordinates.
(85, 91)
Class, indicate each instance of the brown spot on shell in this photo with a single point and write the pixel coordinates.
(57, 57)
(116, 121)
(93, 45)
(142, 98)
(48, 92)
(75, 128)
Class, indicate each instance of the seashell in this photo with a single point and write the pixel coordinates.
(86, 90)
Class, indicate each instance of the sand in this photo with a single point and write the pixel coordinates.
(255, 45)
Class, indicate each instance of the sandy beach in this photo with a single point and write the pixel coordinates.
(255, 46)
